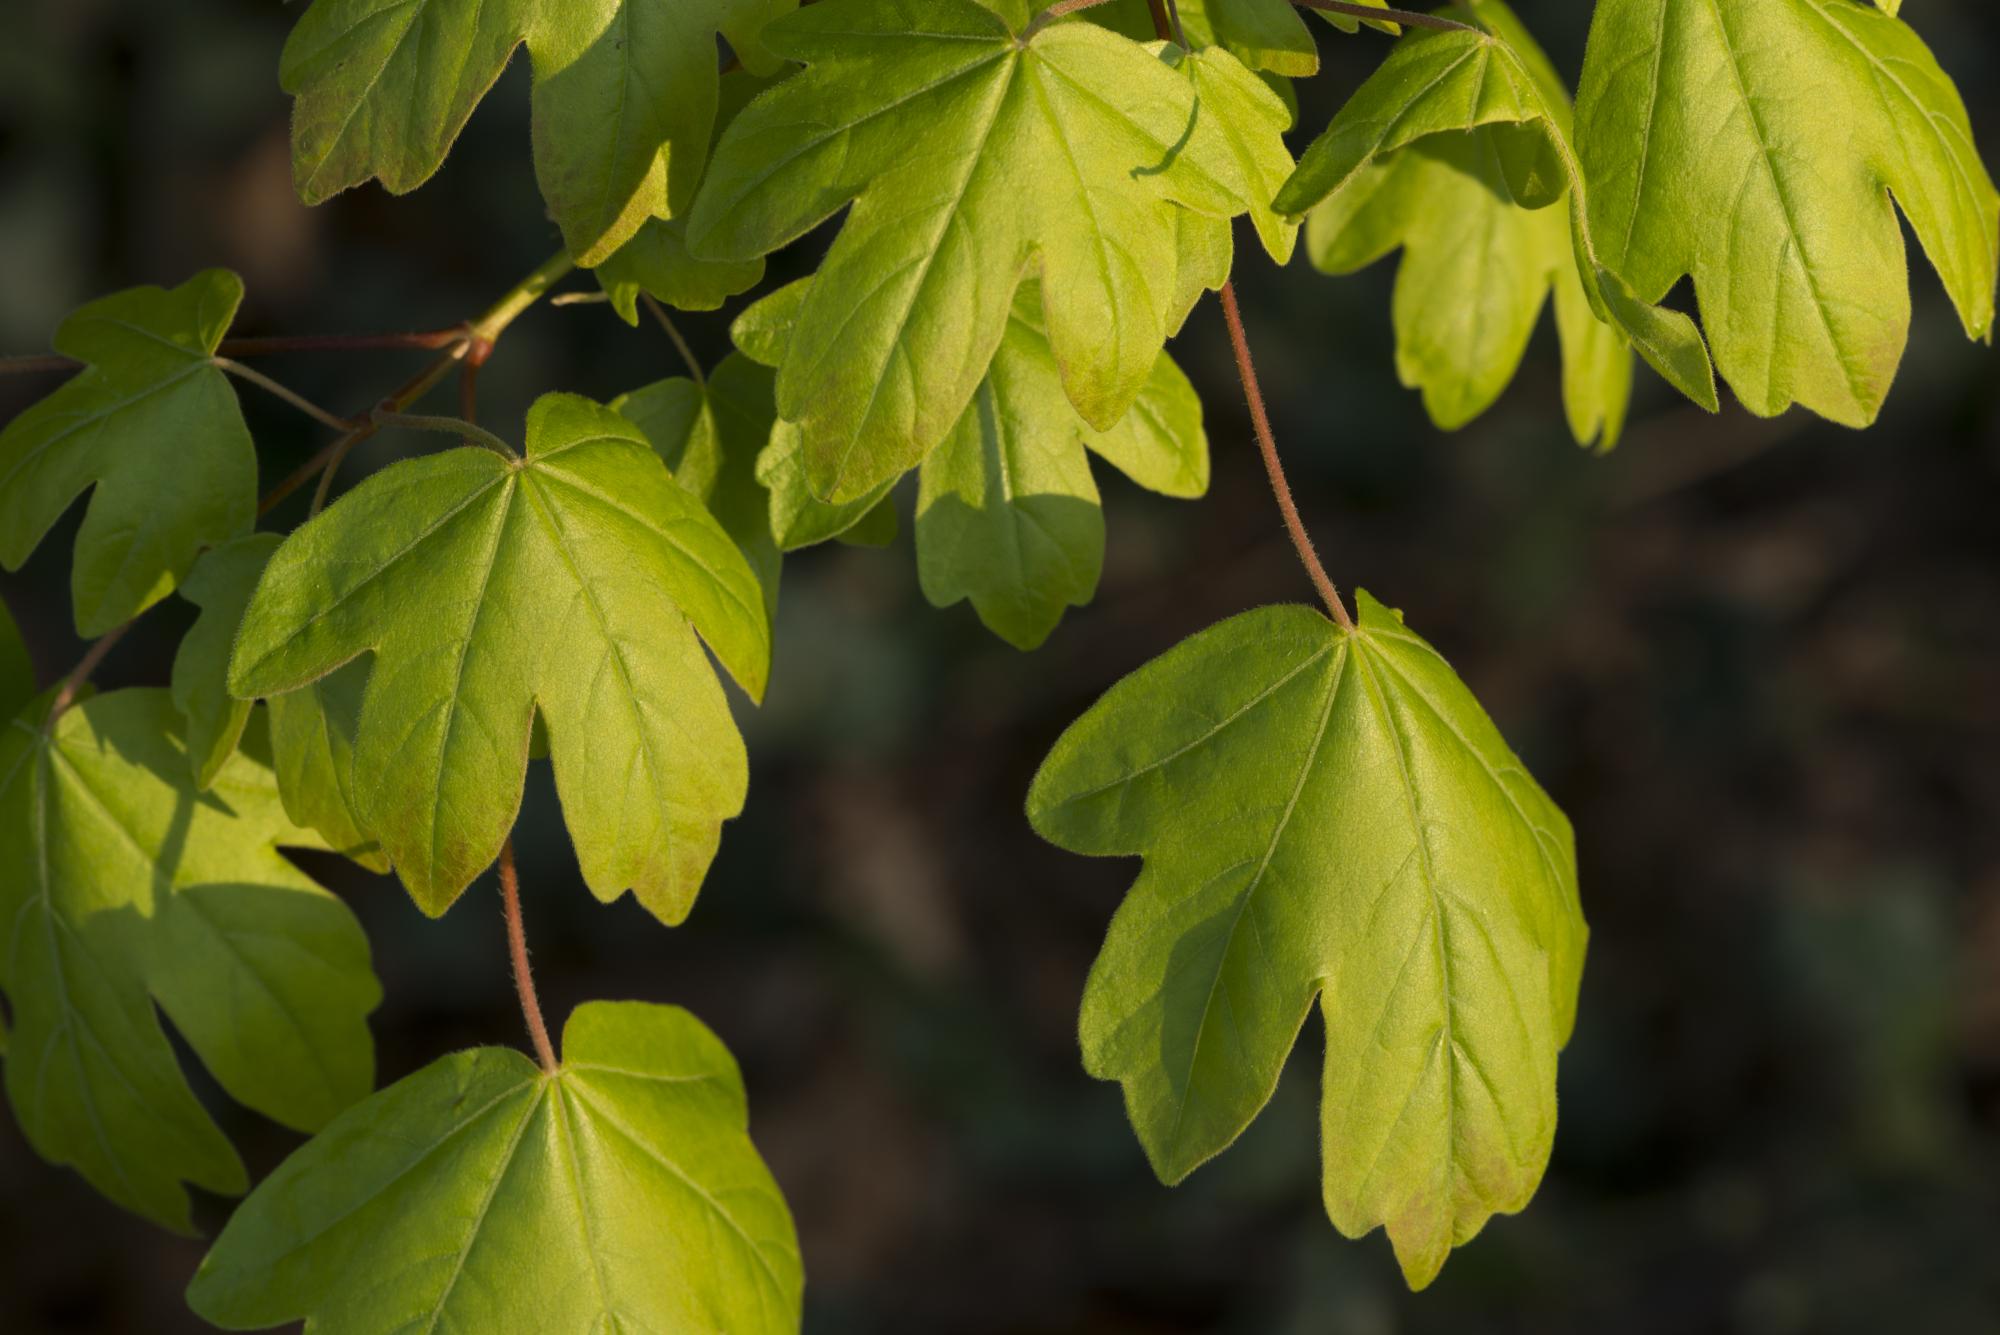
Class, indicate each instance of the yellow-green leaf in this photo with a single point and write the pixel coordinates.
(1328, 813)
(619, 1193)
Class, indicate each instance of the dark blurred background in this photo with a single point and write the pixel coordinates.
(1757, 662)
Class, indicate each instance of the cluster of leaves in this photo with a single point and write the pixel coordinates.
(1034, 205)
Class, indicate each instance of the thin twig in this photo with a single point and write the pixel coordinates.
(580, 298)
(326, 463)
(37, 361)
(293, 397)
(1267, 444)
(456, 426)
(460, 340)
(1260, 421)
(687, 353)
(517, 946)
(81, 672)
(264, 346)
(428, 339)
(1411, 17)
(1173, 24)
(487, 328)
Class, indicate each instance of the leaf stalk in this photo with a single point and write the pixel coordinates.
(1267, 445)
(517, 948)
(276, 390)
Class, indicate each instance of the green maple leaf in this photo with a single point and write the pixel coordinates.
(125, 888)
(155, 425)
(620, 1192)
(1477, 268)
(489, 588)
(1007, 510)
(798, 518)
(973, 154)
(1490, 77)
(1705, 132)
(709, 436)
(656, 261)
(312, 749)
(220, 585)
(17, 672)
(1242, 122)
(311, 729)
(1325, 812)
(624, 97)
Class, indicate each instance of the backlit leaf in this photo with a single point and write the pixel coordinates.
(1328, 813)
(709, 437)
(972, 158)
(620, 1193)
(488, 589)
(656, 261)
(1492, 78)
(1007, 510)
(1763, 147)
(155, 426)
(126, 889)
(624, 97)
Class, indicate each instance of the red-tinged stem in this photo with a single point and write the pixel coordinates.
(1408, 16)
(484, 331)
(1267, 445)
(680, 344)
(458, 343)
(268, 346)
(279, 391)
(328, 460)
(517, 946)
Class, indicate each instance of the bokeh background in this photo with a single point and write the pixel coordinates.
(1757, 662)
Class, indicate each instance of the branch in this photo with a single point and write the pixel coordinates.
(1267, 444)
(486, 329)
(1435, 22)
(270, 386)
(687, 353)
(517, 947)
(81, 672)
(475, 337)
(264, 347)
